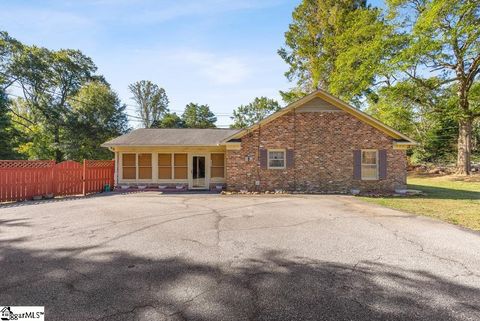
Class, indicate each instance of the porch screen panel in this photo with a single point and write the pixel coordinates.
(129, 166)
(145, 166)
(180, 164)
(218, 165)
(165, 166)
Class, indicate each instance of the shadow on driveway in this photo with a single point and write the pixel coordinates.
(120, 286)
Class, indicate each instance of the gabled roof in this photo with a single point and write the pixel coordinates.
(172, 137)
(401, 138)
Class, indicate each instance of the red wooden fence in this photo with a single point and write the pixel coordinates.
(97, 173)
(68, 178)
(22, 180)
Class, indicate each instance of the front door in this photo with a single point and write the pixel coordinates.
(198, 172)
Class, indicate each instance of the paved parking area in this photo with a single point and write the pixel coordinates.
(148, 256)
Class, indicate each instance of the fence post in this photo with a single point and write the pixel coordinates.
(84, 176)
(53, 184)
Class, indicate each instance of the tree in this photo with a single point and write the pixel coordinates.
(8, 133)
(198, 116)
(35, 140)
(8, 47)
(169, 120)
(247, 115)
(48, 79)
(339, 46)
(152, 101)
(97, 116)
(444, 39)
(66, 110)
(420, 113)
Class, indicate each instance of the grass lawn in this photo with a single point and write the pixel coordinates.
(454, 199)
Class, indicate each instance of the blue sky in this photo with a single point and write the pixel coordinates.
(217, 52)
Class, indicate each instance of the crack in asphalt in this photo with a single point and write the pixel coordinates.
(273, 227)
(416, 244)
(421, 249)
(186, 304)
(119, 313)
(195, 241)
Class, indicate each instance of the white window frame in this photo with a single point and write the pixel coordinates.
(376, 163)
(284, 158)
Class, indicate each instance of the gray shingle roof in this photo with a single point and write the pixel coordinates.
(172, 137)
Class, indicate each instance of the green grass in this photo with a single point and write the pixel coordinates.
(450, 198)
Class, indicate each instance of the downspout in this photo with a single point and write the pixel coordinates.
(257, 188)
(294, 149)
(115, 176)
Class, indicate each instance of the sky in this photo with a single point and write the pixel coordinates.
(217, 52)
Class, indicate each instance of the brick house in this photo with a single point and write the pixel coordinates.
(316, 144)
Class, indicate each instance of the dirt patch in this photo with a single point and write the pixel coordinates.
(474, 177)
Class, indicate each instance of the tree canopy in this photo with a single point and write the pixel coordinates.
(152, 101)
(442, 53)
(64, 110)
(97, 116)
(198, 116)
(339, 46)
(414, 66)
(8, 133)
(170, 120)
(247, 115)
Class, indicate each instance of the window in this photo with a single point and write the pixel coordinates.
(180, 164)
(145, 166)
(129, 166)
(165, 166)
(218, 165)
(276, 158)
(369, 164)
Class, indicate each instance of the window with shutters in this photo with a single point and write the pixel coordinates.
(217, 169)
(165, 166)
(129, 166)
(369, 164)
(180, 164)
(276, 158)
(145, 166)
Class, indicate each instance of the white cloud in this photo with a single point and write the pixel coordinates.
(154, 11)
(219, 69)
(218, 78)
(48, 27)
(45, 19)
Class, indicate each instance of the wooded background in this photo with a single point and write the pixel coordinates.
(413, 65)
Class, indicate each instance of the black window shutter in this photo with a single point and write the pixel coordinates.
(357, 164)
(290, 158)
(263, 158)
(382, 164)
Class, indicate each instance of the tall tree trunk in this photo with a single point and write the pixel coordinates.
(56, 141)
(464, 146)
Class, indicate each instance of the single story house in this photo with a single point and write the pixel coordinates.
(316, 144)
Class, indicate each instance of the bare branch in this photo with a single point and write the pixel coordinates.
(473, 70)
(20, 123)
(20, 116)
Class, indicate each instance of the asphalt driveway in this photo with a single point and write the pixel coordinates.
(148, 256)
